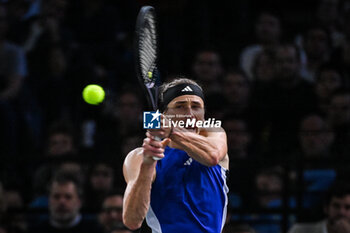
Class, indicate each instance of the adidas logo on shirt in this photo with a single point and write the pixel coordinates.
(187, 88)
(188, 162)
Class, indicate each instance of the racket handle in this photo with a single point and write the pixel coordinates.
(157, 139)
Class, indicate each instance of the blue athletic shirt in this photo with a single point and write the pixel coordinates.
(187, 195)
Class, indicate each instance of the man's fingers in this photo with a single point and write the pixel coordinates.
(152, 150)
(154, 143)
(166, 142)
(158, 133)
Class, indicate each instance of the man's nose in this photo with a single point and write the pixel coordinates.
(62, 200)
(189, 111)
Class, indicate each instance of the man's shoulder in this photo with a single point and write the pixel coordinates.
(308, 227)
(134, 153)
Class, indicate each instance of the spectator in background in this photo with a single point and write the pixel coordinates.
(100, 183)
(65, 201)
(269, 186)
(61, 140)
(339, 117)
(337, 212)
(47, 45)
(341, 55)
(15, 218)
(289, 98)
(316, 51)
(13, 198)
(328, 14)
(207, 69)
(241, 157)
(268, 34)
(130, 142)
(328, 79)
(110, 217)
(316, 143)
(122, 118)
(316, 137)
(61, 145)
(263, 67)
(238, 137)
(45, 174)
(237, 91)
(264, 74)
(12, 74)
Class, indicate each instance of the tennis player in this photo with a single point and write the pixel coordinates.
(185, 190)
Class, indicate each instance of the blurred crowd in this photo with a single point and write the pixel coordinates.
(278, 76)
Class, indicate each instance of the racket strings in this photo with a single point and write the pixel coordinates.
(148, 50)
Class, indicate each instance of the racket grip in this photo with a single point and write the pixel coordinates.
(157, 139)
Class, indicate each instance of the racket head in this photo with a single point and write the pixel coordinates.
(146, 53)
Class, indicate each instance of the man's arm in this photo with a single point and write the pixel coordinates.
(139, 173)
(208, 148)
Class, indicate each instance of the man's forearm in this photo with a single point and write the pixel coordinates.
(137, 197)
(198, 147)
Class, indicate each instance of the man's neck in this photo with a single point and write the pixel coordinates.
(75, 221)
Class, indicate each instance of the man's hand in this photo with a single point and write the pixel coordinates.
(164, 131)
(153, 148)
(341, 226)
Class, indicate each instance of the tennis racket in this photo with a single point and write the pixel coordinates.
(146, 56)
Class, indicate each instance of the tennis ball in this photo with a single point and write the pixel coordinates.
(93, 94)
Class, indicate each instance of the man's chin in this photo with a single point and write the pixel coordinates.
(333, 221)
(63, 217)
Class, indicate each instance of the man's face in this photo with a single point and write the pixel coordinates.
(102, 178)
(64, 202)
(328, 81)
(315, 139)
(316, 44)
(269, 188)
(339, 111)
(129, 107)
(60, 144)
(237, 136)
(207, 66)
(264, 69)
(287, 64)
(268, 28)
(338, 208)
(236, 89)
(186, 107)
(111, 215)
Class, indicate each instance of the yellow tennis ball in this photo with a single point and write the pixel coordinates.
(93, 94)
